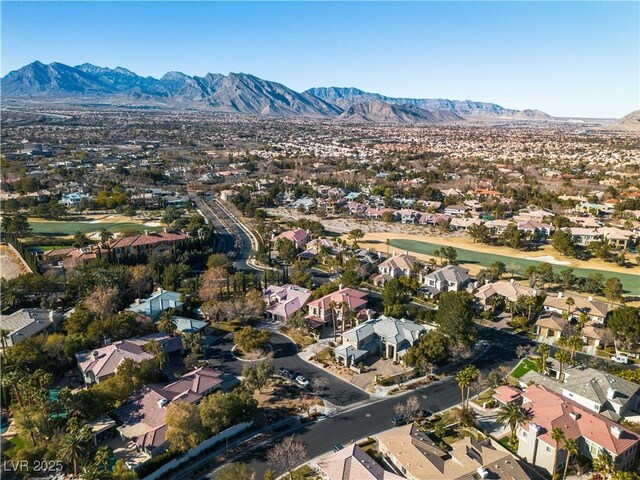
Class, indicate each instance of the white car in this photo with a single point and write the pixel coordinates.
(303, 382)
(620, 359)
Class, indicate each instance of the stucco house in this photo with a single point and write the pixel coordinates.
(387, 336)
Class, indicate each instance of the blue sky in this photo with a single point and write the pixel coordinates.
(567, 59)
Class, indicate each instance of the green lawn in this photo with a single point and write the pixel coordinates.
(630, 281)
(523, 367)
(58, 229)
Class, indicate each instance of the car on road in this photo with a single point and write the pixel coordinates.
(285, 372)
(620, 359)
(423, 414)
(337, 447)
(303, 382)
(398, 420)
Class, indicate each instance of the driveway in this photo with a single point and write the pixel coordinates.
(339, 392)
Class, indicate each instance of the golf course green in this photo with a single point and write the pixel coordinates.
(630, 281)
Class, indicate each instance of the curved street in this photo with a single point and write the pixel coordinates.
(374, 415)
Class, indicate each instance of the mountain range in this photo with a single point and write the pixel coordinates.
(88, 84)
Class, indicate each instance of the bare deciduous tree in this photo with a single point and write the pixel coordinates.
(409, 409)
(287, 455)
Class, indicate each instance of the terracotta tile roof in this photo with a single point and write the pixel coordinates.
(355, 299)
(148, 239)
(552, 410)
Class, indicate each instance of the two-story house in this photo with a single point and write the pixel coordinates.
(594, 433)
(451, 278)
(332, 306)
(394, 267)
(387, 336)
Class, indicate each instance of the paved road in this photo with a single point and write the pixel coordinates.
(339, 393)
(230, 233)
(375, 417)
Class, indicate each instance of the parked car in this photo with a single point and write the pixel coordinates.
(303, 382)
(398, 420)
(620, 359)
(423, 414)
(285, 372)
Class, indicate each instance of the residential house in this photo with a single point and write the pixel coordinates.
(510, 291)
(549, 327)
(143, 416)
(497, 226)
(101, 363)
(418, 457)
(305, 203)
(464, 223)
(594, 433)
(284, 301)
(618, 238)
(332, 306)
(394, 267)
(535, 229)
(594, 309)
(156, 243)
(73, 199)
(299, 237)
(26, 323)
(408, 216)
(353, 463)
(584, 236)
(600, 392)
(384, 335)
(160, 301)
(450, 278)
(455, 209)
(320, 245)
(189, 325)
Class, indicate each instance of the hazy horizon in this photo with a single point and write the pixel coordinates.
(566, 59)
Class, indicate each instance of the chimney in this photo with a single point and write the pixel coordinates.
(534, 428)
(339, 287)
(165, 230)
(51, 316)
(146, 232)
(590, 298)
(406, 252)
(616, 431)
(159, 289)
(559, 294)
(162, 402)
(95, 354)
(574, 415)
(611, 393)
(512, 281)
(535, 293)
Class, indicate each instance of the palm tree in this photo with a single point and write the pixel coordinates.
(529, 302)
(558, 435)
(4, 334)
(102, 456)
(157, 350)
(563, 357)
(463, 382)
(570, 303)
(92, 471)
(513, 415)
(74, 447)
(543, 350)
(105, 235)
(603, 464)
(575, 343)
(571, 447)
(167, 323)
(80, 240)
(387, 243)
(332, 307)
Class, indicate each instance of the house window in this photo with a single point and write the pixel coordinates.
(524, 434)
(548, 449)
